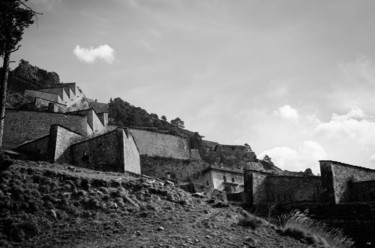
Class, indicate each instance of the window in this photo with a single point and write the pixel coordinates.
(208, 183)
(224, 178)
(233, 180)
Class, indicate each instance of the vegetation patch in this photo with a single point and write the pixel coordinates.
(300, 226)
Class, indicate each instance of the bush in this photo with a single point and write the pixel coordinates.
(298, 225)
(251, 221)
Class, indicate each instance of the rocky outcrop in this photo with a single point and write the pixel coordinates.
(29, 77)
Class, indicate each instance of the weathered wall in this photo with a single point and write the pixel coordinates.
(221, 176)
(259, 189)
(60, 92)
(131, 153)
(106, 153)
(328, 192)
(169, 168)
(22, 126)
(342, 174)
(161, 145)
(288, 189)
(44, 105)
(194, 154)
(30, 95)
(95, 124)
(60, 140)
(37, 148)
(103, 118)
(362, 191)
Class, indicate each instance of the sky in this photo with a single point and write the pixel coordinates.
(295, 79)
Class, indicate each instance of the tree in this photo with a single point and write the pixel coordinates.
(15, 16)
(178, 123)
(308, 172)
(164, 118)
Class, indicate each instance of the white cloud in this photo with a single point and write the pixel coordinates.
(90, 55)
(305, 156)
(349, 128)
(287, 112)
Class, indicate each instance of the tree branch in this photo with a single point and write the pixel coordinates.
(27, 7)
(15, 49)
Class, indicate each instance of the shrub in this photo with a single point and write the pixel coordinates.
(85, 183)
(251, 221)
(298, 225)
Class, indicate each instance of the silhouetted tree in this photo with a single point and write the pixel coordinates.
(308, 172)
(178, 123)
(164, 118)
(15, 16)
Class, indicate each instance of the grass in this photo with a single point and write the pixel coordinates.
(251, 221)
(300, 226)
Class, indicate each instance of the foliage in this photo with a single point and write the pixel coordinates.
(14, 18)
(178, 123)
(308, 172)
(297, 224)
(123, 113)
(251, 221)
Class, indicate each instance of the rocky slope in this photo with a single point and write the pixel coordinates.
(51, 205)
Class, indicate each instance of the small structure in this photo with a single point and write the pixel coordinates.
(229, 180)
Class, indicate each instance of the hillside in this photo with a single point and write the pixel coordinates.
(51, 205)
(28, 77)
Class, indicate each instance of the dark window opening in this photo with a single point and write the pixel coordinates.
(233, 180)
(207, 183)
(224, 178)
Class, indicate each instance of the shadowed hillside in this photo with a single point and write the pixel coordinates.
(51, 205)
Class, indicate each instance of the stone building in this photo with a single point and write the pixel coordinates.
(339, 183)
(52, 131)
(63, 97)
(229, 180)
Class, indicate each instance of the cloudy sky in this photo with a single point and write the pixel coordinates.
(294, 79)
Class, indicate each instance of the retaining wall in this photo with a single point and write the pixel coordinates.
(169, 168)
(286, 189)
(161, 145)
(37, 149)
(336, 177)
(60, 140)
(112, 151)
(22, 126)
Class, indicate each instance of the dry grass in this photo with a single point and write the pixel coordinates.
(297, 224)
(251, 221)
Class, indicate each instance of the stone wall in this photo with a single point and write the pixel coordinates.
(169, 168)
(60, 140)
(103, 118)
(37, 149)
(259, 188)
(44, 105)
(161, 145)
(362, 191)
(60, 92)
(30, 95)
(342, 175)
(22, 126)
(292, 189)
(95, 124)
(131, 154)
(107, 153)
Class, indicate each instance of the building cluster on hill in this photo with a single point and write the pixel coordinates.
(59, 124)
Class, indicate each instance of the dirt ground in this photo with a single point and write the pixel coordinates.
(52, 205)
